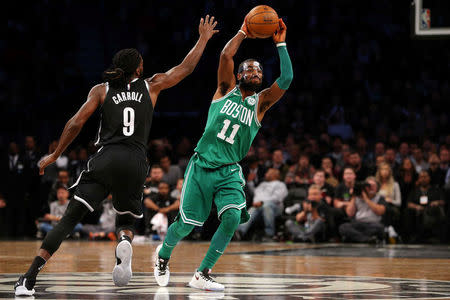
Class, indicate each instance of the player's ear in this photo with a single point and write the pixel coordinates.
(239, 76)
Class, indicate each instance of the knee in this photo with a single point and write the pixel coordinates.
(269, 209)
(230, 220)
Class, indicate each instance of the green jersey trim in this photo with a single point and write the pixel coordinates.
(256, 111)
(223, 98)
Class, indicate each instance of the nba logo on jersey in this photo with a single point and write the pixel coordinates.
(251, 101)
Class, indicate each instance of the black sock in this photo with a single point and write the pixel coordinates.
(36, 266)
(124, 237)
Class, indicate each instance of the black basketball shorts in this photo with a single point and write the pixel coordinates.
(116, 169)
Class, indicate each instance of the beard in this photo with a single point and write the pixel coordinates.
(247, 85)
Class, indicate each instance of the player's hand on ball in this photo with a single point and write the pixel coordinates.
(280, 35)
(206, 27)
(244, 28)
(48, 160)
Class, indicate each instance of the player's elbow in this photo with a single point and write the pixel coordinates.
(76, 122)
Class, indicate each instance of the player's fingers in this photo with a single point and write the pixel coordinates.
(41, 171)
(211, 20)
(282, 24)
(215, 31)
(201, 21)
(207, 19)
(214, 24)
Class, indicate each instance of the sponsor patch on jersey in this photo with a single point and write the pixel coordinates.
(251, 101)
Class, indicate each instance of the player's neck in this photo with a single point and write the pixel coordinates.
(245, 93)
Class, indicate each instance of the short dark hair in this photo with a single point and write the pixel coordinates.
(155, 166)
(124, 64)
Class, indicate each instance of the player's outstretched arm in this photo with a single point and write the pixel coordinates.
(74, 125)
(225, 74)
(270, 96)
(162, 81)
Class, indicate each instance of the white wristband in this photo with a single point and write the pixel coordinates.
(281, 44)
(243, 32)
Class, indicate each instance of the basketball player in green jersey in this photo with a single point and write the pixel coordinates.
(213, 172)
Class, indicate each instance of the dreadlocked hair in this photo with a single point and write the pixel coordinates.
(124, 64)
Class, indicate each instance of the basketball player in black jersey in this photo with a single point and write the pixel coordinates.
(120, 166)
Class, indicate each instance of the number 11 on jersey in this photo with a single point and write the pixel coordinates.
(221, 134)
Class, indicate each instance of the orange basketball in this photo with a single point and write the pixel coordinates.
(262, 21)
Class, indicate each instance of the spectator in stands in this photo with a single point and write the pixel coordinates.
(14, 193)
(55, 212)
(336, 152)
(389, 157)
(419, 161)
(64, 180)
(77, 166)
(161, 203)
(360, 169)
(278, 163)
(253, 172)
(267, 204)
(308, 223)
(31, 184)
(444, 157)
(425, 215)
(403, 152)
(437, 174)
(301, 173)
(361, 148)
(342, 195)
(343, 191)
(171, 172)
(328, 167)
(106, 227)
(176, 192)
(378, 150)
(263, 156)
(407, 177)
(390, 190)
(50, 176)
(367, 210)
(152, 181)
(327, 191)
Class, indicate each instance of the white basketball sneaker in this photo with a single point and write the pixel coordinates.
(122, 271)
(161, 269)
(203, 281)
(23, 287)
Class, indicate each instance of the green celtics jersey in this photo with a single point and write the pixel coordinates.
(231, 127)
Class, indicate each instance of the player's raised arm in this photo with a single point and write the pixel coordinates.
(271, 95)
(225, 74)
(162, 81)
(74, 125)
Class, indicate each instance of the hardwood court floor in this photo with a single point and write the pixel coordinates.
(428, 266)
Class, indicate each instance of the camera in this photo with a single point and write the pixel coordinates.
(314, 204)
(359, 187)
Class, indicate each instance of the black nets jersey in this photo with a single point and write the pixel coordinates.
(126, 115)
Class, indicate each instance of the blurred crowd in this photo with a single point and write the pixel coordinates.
(364, 94)
(316, 189)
